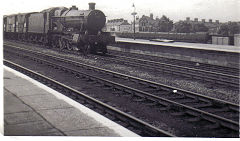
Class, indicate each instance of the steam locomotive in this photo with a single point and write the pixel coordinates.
(61, 28)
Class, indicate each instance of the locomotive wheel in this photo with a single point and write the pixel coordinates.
(86, 49)
(104, 49)
(54, 43)
(93, 49)
(69, 47)
(61, 44)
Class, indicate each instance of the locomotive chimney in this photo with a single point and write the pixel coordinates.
(91, 6)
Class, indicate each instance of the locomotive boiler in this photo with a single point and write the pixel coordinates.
(62, 28)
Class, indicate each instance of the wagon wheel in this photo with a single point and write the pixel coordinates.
(30, 38)
(45, 41)
(23, 37)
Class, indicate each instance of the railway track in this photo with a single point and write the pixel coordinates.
(183, 70)
(212, 113)
(213, 78)
(190, 64)
(143, 128)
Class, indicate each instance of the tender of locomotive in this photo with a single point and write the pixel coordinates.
(62, 28)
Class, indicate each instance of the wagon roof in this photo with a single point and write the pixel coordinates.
(52, 8)
(18, 14)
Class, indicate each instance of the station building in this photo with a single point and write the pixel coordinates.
(118, 25)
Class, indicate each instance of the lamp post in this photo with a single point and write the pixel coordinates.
(134, 13)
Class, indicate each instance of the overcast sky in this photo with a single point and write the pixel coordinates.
(223, 10)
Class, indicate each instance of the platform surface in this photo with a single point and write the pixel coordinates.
(223, 48)
(33, 109)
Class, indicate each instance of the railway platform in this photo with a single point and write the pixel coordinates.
(221, 55)
(33, 109)
(223, 48)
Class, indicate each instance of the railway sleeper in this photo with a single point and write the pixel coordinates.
(202, 106)
(91, 104)
(127, 91)
(191, 112)
(205, 100)
(210, 118)
(153, 86)
(138, 99)
(107, 87)
(213, 126)
(230, 126)
(123, 123)
(117, 88)
(194, 119)
(162, 107)
(110, 116)
(102, 109)
(102, 112)
(101, 85)
(151, 103)
(164, 88)
(220, 109)
(122, 118)
(158, 104)
(178, 113)
(234, 108)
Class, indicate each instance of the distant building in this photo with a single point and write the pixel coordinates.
(212, 26)
(149, 24)
(118, 25)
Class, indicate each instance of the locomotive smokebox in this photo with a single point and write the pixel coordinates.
(91, 6)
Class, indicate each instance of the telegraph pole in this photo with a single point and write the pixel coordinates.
(134, 13)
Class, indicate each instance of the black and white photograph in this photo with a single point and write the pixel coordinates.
(103, 70)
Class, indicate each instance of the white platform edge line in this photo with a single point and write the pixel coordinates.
(99, 118)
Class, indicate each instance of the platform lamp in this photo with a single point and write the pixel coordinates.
(134, 13)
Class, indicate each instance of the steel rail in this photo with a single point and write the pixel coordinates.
(205, 115)
(146, 129)
(212, 77)
(181, 91)
(218, 78)
(172, 61)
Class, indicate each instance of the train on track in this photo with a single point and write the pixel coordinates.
(61, 27)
